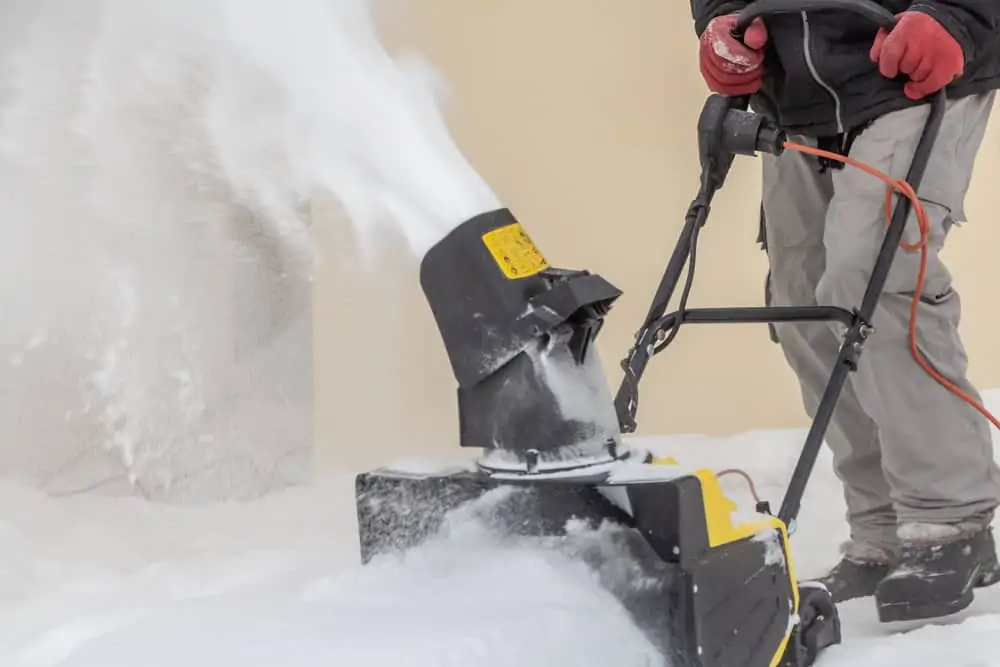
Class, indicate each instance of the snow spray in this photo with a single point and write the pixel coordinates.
(157, 164)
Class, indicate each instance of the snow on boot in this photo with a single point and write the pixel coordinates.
(938, 569)
(990, 573)
(858, 572)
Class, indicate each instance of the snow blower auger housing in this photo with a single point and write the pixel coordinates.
(710, 588)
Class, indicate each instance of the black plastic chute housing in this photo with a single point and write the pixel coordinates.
(519, 337)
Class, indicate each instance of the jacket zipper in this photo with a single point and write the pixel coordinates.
(812, 70)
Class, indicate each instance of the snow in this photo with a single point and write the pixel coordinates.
(431, 467)
(774, 554)
(104, 582)
(164, 169)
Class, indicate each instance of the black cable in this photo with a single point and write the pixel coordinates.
(689, 278)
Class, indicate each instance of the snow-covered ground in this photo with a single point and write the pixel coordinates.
(100, 582)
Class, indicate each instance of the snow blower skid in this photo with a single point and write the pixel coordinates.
(708, 586)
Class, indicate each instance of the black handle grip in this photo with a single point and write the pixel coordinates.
(876, 13)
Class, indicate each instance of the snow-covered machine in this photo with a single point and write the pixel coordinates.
(712, 586)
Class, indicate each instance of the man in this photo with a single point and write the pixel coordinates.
(916, 460)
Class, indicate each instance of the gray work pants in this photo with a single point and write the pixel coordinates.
(905, 448)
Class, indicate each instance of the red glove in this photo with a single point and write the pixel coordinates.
(921, 48)
(728, 66)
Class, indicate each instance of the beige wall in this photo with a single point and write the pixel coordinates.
(581, 115)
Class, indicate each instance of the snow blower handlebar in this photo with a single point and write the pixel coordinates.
(877, 14)
(727, 129)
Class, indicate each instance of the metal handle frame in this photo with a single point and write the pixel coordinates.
(659, 329)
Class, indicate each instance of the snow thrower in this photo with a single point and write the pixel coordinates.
(711, 586)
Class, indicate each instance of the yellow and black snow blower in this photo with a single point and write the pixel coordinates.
(714, 589)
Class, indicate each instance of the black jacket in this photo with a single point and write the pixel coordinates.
(819, 80)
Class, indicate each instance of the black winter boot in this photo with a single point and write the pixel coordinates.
(858, 572)
(936, 574)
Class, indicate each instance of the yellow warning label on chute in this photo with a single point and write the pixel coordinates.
(514, 251)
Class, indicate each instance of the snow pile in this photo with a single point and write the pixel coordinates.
(113, 583)
(116, 583)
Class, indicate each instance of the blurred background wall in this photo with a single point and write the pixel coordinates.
(581, 115)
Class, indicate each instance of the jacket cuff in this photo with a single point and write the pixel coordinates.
(955, 20)
(703, 18)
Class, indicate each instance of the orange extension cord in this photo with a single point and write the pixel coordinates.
(906, 189)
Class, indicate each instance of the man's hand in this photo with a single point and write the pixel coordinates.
(728, 66)
(922, 49)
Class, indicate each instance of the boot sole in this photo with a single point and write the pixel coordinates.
(894, 612)
(921, 611)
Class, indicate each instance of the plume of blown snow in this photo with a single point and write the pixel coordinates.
(158, 161)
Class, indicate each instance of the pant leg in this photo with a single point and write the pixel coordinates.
(936, 450)
(796, 198)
